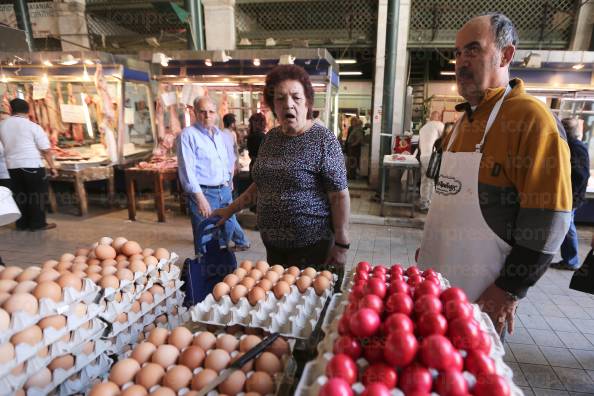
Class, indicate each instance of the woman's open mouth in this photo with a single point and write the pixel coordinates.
(290, 116)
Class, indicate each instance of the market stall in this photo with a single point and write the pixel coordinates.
(96, 108)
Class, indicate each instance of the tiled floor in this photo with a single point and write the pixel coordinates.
(551, 352)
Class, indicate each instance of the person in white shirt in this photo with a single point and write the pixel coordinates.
(230, 140)
(428, 134)
(25, 147)
(4, 175)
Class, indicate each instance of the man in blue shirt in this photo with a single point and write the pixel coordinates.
(205, 171)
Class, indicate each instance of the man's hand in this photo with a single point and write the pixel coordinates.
(53, 172)
(500, 307)
(337, 257)
(203, 205)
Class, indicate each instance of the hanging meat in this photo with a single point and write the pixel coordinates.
(57, 128)
(67, 127)
(6, 101)
(31, 102)
(107, 121)
(77, 129)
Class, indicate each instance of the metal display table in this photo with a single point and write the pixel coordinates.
(409, 165)
(78, 177)
(157, 176)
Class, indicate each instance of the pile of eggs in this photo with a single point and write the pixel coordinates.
(179, 362)
(255, 281)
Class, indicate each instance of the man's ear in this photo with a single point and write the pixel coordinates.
(507, 55)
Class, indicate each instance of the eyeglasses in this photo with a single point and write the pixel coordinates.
(200, 111)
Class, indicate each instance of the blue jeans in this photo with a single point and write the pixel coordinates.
(217, 198)
(569, 247)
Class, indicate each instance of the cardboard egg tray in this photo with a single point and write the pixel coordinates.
(20, 320)
(294, 315)
(78, 381)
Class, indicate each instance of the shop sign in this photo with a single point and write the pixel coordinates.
(44, 20)
(72, 114)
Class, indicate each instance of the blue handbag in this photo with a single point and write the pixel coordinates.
(213, 262)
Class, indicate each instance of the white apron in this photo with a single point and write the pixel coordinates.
(457, 241)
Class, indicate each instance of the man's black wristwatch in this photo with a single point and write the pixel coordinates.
(342, 245)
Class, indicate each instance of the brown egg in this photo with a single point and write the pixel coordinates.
(137, 266)
(65, 362)
(18, 370)
(146, 297)
(295, 271)
(105, 241)
(327, 275)
(238, 292)
(67, 257)
(7, 353)
(158, 336)
(135, 307)
(110, 281)
(260, 382)
(281, 289)
(303, 282)
(255, 274)
(64, 266)
(248, 282)
(78, 267)
(122, 318)
(202, 379)
(265, 284)
(80, 260)
(205, 340)
(7, 285)
(246, 367)
(4, 320)
(256, 294)
(124, 371)
(93, 261)
(165, 355)
(320, 284)
(103, 252)
(180, 337)
(43, 352)
(10, 272)
(248, 342)
(269, 363)
(47, 275)
(121, 257)
(134, 390)
(310, 272)
(150, 261)
(28, 274)
(56, 321)
(25, 287)
(81, 252)
(108, 263)
(163, 391)
(88, 347)
(93, 269)
(227, 342)
(279, 269)
(162, 253)
(231, 280)
(4, 297)
(192, 357)
(143, 351)
(234, 384)
(70, 280)
(124, 274)
(157, 289)
(262, 266)
(79, 309)
(150, 375)
(217, 359)
(177, 377)
(130, 248)
(21, 302)
(49, 290)
(147, 252)
(246, 265)
(118, 243)
(137, 256)
(40, 379)
(95, 278)
(279, 347)
(272, 276)
(221, 289)
(290, 279)
(105, 389)
(31, 335)
(240, 273)
(49, 264)
(123, 264)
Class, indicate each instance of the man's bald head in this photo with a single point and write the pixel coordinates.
(435, 116)
(206, 111)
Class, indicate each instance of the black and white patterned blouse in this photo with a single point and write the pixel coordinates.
(294, 175)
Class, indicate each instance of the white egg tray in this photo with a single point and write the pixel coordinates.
(294, 315)
(97, 367)
(78, 337)
(313, 378)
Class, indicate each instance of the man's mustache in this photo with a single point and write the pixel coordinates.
(464, 72)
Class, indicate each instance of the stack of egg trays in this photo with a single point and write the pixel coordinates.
(27, 354)
(97, 364)
(295, 315)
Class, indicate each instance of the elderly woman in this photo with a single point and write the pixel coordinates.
(300, 184)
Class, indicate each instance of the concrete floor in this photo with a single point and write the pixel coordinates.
(551, 351)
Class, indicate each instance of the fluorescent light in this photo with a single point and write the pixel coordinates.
(44, 78)
(579, 66)
(350, 73)
(89, 62)
(208, 62)
(448, 73)
(346, 61)
(318, 85)
(85, 75)
(256, 62)
(87, 115)
(452, 61)
(47, 63)
(3, 78)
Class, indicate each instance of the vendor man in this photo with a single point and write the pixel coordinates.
(502, 203)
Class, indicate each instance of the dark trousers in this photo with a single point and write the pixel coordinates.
(309, 256)
(6, 183)
(30, 189)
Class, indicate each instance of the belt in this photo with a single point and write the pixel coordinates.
(213, 187)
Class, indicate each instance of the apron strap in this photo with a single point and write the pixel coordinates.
(490, 121)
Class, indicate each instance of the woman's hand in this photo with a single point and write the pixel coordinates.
(224, 213)
(337, 257)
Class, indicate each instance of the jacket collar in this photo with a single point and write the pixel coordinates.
(491, 96)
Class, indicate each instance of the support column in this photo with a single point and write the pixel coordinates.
(194, 7)
(72, 24)
(219, 24)
(583, 33)
(21, 11)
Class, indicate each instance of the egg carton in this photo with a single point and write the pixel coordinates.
(74, 321)
(9, 383)
(86, 376)
(313, 378)
(294, 315)
(334, 311)
(78, 337)
(82, 360)
(114, 308)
